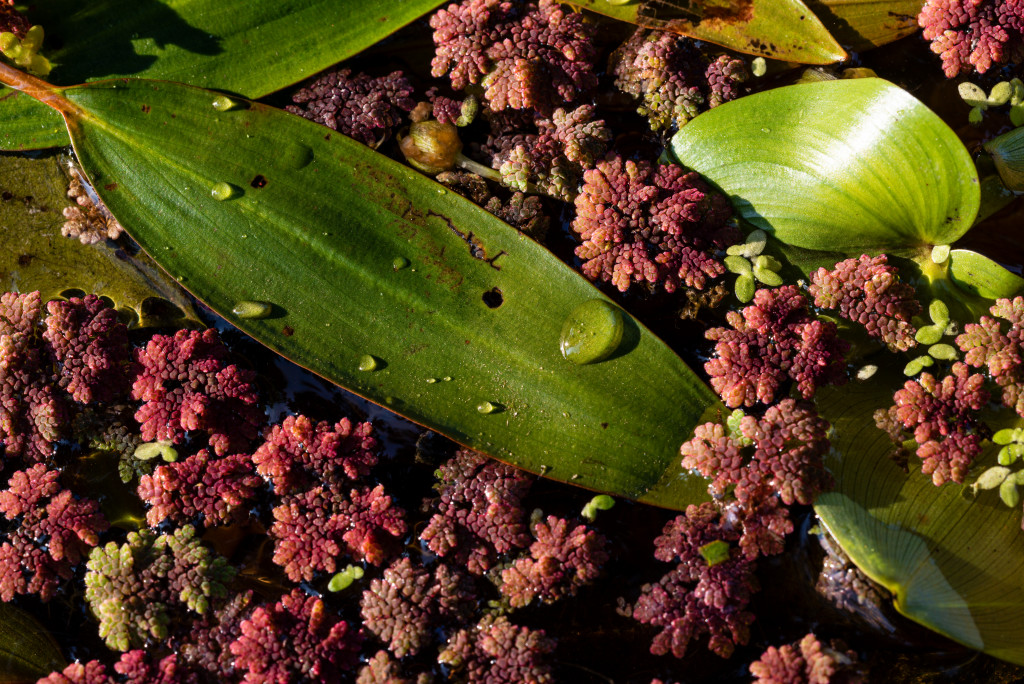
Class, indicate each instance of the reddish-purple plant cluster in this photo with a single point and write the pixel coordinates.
(495, 651)
(219, 489)
(773, 340)
(479, 513)
(781, 451)
(562, 559)
(941, 416)
(91, 348)
(12, 20)
(807, 662)
(91, 672)
(697, 597)
(296, 639)
(32, 412)
(976, 34)
(362, 107)
(298, 454)
(409, 601)
(985, 345)
(868, 291)
(672, 78)
(51, 532)
(311, 530)
(187, 384)
(142, 667)
(643, 223)
(524, 55)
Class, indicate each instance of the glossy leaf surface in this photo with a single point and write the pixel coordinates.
(465, 338)
(781, 29)
(846, 167)
(955, 565)
(37, 257)
(27, 651)
(240, 46)
(865, 24)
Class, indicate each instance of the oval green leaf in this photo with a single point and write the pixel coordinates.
(954, 565)
(315, 230)
(978, 275)
(250, 48)
(850, 166)
(27, 651)
(779, 29)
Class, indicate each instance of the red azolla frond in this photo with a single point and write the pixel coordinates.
(807, 662)
(298, 638)
(12, 20)
(562, 559)
(187, 384)
(362, 107)
(221, 490)
(774, 340)
(524, 55)
(54, 533)
(91, 348)
(479, 512)
(298, 453)
(974, 34)
(986, 345)
(91, 672)
(206, 647)
(141, 667)
(496, 651)
(650, 224)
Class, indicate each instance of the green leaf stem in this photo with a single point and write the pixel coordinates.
(240, 46)
(315, 225)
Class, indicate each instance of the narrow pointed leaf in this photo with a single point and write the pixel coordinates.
(245, 47)
(780, 29)
(955, 565)
(849, 167)
(865, 24)
(27, 651)
(465, 338)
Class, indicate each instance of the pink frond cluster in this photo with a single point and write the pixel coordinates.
(781, 452)
(362, 107)
(807, 662)
(409, 601)
(91, 348)
(495, 651)
(51, 532)
(562, 559)
(941, 416)
(868, 291)
(12, 20)
(974, 34)
(643, 223)
(207, 645)
(187, 384)
(672, 79)
(298, 453)
(296, 639)
(696, 597)
(32, 412)
(479, 513)
(985, 345)
(529, 55)
(142, 667)
(773, 340)
(91, 672)
(219, 489)
(314, 529)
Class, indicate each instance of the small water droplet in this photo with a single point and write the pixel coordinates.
(592, 332)
(766, 130)
(399, 263)
(223, 103)
(252, 309)
(389, 400)
(222, 191)
(447, 378)
(295, 155)
(442, 191)
(486, 407)
(431, 381)
(368, 362)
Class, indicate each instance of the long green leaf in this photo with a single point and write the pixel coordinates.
(241, 46)
(780, 29)
(27, 651)
(847, 167)
(954, 565)
(465, 338)
(865, 24)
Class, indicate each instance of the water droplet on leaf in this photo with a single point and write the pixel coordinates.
(223, 103)
(592, 332)
(486, 407)
(222, 191)
(368, 363)
(252, 309)
(399, 263)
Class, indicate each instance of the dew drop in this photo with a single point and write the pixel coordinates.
(431, 381)
(368, 363)
(766, 130)
(223, 103)
(399, 263)
(295, 155)
(592, 332)
(447, 378)
(486, 407)
(252, 309)
(222, 191)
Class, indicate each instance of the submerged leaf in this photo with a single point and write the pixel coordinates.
(27, 651)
